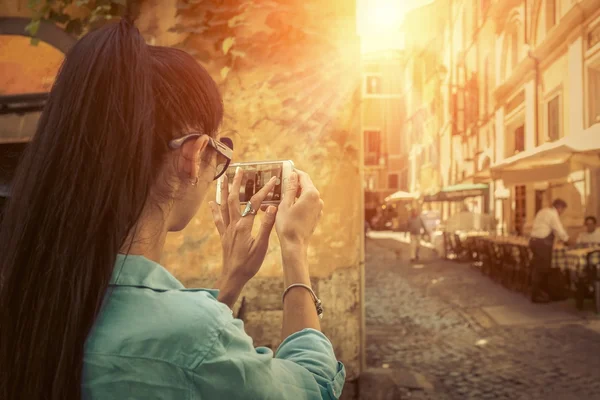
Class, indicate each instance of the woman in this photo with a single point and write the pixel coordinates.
(125, 152)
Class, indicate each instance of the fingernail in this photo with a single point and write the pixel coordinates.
(237, 171)
(273, 179)
(271, 210)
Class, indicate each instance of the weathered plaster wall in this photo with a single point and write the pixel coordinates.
(25, 68)
(303, 107)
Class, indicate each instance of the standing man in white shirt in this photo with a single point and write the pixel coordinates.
(546, 227)
(591, 234)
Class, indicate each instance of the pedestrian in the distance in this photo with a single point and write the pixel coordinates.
(415, 227)
(546, 227)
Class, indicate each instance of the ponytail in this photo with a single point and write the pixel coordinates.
(80, 188)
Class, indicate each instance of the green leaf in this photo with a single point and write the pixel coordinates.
(33, 3)
(227, 44)
(225, 72)
(75, 26)
(33, 27)
(58, 17)
(237, 53)
(34, 41)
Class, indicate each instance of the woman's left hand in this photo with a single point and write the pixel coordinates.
(243, 254)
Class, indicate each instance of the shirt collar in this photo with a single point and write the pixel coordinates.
(138, 271)
(132, 270)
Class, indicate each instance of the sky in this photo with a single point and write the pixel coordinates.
(379, 23)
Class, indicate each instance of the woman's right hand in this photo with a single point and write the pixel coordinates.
(299, 212)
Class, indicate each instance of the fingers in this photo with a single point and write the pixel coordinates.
(309, 195)
(258, 198)
(268, 220)
(306, 184)
(289, 194)
(233, 198)
(217, 218)
(224, 200)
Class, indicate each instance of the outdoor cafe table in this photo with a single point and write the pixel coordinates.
(469, 238)
(574, 262)
(572, 259)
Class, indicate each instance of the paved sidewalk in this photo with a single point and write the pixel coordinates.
(442, 330)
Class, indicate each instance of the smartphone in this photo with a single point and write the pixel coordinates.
(255, 176)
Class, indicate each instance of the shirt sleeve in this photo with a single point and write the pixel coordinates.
(557, 227)
(305, 367)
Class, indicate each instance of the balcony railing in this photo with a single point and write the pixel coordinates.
(372, 159)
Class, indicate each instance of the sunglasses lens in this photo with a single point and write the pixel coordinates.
(221, 167)
(222, 161)
(227, 142)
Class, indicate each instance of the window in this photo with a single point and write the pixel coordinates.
(551, 14)
(393, 181)
(594, 94)
(514, 43)
(520, 209)
(520, 139)
(372, 147)
(371, 182)
(554, 119)
(486, 86)
(593, 37)
(539, 200)
(373, 84)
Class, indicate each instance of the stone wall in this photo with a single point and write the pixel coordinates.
(287, 101)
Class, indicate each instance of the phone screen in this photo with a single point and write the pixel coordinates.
(255, 177)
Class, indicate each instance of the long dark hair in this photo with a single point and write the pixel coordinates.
(78, 193)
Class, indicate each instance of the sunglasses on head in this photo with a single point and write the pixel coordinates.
(223, 147)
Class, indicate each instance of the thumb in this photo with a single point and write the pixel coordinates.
(289, 195)
(266, 226)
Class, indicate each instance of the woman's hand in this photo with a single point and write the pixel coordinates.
(297, 218)
(243, 254)
(299, 212)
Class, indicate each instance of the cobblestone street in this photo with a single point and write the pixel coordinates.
(458, 335)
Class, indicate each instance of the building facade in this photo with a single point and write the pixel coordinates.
(519, 79)
(383, 113)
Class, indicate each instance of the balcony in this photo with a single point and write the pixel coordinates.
(374, 160)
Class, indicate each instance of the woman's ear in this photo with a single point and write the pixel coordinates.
(189, 161)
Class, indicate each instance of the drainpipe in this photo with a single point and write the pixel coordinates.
(451, 82)
(536, 63)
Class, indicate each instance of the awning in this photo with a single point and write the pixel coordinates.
(482, 176)
(401, 196)
(551, 160)
(458, 192)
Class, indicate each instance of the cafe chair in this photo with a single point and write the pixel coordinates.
(524, 270)
(588, 285)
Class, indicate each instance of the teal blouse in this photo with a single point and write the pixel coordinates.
(154, 339)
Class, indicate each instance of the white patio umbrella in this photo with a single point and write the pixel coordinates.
(401, 196)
